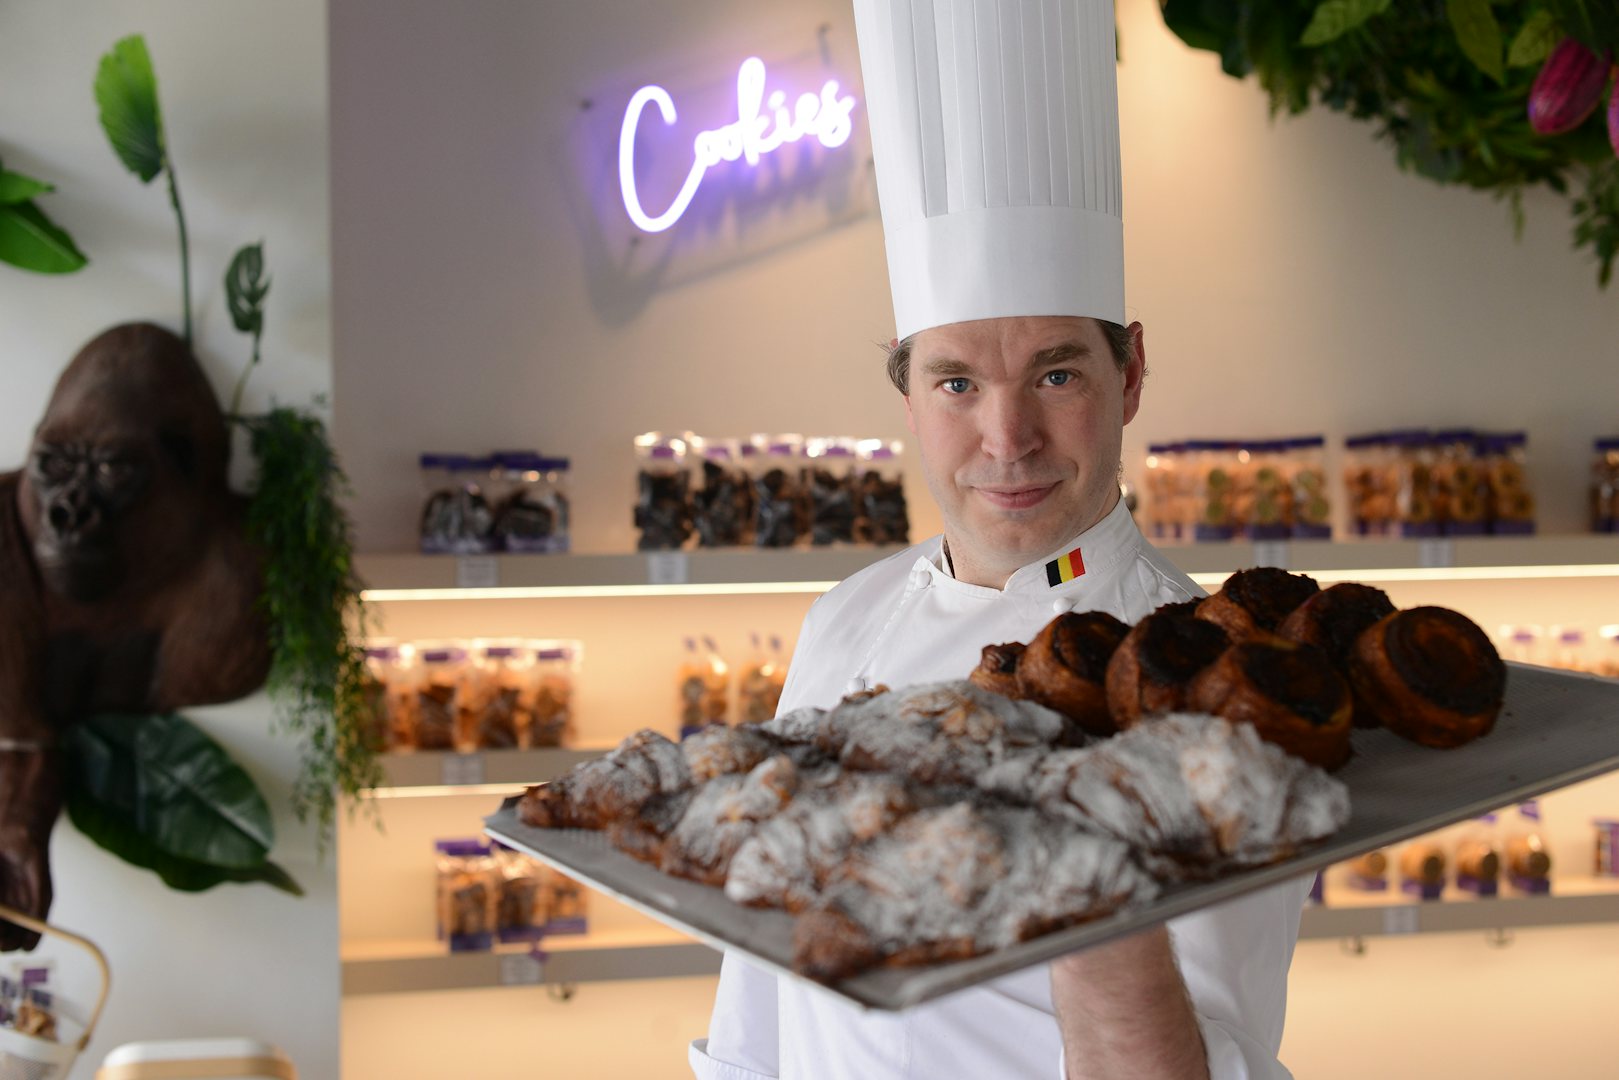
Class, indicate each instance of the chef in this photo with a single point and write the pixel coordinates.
(995, 131)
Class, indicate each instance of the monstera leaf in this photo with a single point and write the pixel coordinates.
(161, 794)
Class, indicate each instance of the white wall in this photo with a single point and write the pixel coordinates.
(243, 89)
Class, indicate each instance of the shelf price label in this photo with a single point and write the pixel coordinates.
(1402, 919)
(668, 568)
(1436, 553)
(461, 770)
(1275, 553)
(521, 969)
(476, 572)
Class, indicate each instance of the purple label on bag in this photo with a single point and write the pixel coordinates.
(1362, 883)
(1535, 886)
(1477, 886)
(1425, 890)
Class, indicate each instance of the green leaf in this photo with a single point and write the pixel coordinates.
(179, 788)
(17, 188)
(126, 92)
(32, 241)
(1535, 40)
(1335, 18)
(1479, 35)
(111, 829)
(246, 287)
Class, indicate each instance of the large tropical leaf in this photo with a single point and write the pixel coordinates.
(246, 287)
(32, 241)
(179, 788)
(112, 830)
(126, 92)
(1535, 40)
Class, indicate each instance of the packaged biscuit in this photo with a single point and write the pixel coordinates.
(1505, 467)
(1415, 495)
(1460, 493)
(551, 709)
(663, 493)
(704, 687)
(1214, 492)
(468, 880)
(828, 478)
(1371, 485)
(386, 684)
(566, 904)
(520, 900)
(1604, 485)
(497, 685)
(1307, 473)
(437, 691)
(722, 503)
(531, 508)
(1528, 860)
(882, 516)
(780, 507)
(760, 683)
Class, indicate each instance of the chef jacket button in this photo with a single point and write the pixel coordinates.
(856, 685)
(919, 578)
(1062, 605)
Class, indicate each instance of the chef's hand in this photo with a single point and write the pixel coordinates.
(30, 799)
(1124, 1012)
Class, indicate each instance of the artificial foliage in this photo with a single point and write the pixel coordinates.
(311, 599)
(1446, 82)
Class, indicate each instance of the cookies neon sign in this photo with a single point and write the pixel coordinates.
(763, 125)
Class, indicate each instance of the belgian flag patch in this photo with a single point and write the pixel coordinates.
(1065, 568)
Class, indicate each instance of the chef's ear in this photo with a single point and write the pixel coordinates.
(1135, 372)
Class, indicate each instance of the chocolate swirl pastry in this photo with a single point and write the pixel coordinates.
(1289, 692)
(997, 669)
(1065, 668)
(1253, 603)
(1430, 675)
(1156, 662)
(1332, 620)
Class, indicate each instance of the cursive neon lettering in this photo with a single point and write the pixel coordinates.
(763, 124)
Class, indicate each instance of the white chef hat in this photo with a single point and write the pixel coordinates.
(995, 127)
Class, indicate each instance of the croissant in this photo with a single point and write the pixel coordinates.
(594, 794)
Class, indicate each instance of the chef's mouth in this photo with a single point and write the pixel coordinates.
(1016, 498)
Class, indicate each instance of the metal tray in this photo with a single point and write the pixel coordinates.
(1557, 728)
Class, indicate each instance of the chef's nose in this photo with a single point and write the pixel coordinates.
(1010, 425)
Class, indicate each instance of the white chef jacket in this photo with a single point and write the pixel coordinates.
(906, 620)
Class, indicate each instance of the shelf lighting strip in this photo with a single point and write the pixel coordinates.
(780, 588)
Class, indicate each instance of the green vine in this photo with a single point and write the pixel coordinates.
(1447, 82)
(311, 598)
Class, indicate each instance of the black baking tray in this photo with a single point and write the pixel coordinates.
(1556, 728)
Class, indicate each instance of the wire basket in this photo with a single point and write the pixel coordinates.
(28, 1057)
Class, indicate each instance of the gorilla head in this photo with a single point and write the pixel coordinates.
(127, 472)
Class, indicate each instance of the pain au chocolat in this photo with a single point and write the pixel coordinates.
(1430, 675)
(1065, 669)
(1332, 620)
(1253, 603)
(1290, 693)
(1154, 665)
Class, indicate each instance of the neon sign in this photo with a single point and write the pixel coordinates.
(762, 126)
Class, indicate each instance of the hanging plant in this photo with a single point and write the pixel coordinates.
(1457, 86)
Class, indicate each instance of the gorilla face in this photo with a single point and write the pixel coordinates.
(126, 473)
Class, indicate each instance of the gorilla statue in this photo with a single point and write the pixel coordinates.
(127, 581)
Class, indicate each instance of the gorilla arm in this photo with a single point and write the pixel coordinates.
(30, 763)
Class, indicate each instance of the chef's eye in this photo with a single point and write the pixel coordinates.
(956, 386)
(1059, 378)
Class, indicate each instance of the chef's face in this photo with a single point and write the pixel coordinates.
(1020, 422)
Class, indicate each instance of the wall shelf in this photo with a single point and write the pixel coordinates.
(1347, 914)
(395, 577)
(392, 967)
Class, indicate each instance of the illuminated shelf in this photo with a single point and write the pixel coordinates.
(1349, 914)
(747, 571)
(439, 769)
(396, 967)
